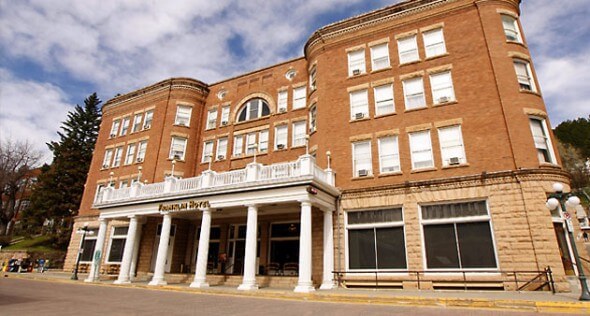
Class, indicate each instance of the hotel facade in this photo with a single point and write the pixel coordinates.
(409, 147)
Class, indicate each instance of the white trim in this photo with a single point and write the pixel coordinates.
(108, 252)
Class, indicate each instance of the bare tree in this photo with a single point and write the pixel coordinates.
(17, 159)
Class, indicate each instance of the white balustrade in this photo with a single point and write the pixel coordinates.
(320, 174)
(280, 170)
(120, 194)
(230, 177)
(188, 184)
(152, 189)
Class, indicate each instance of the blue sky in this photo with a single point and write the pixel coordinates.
(55, 53)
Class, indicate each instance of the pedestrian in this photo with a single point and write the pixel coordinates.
(40, 265)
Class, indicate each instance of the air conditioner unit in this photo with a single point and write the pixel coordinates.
(105, 166)
(139, 160)
(454, 161)
(356, 72)
(282, 110)
(113, 135)
(280, 146)
(443, 100)
(177, 157)
(363, 173)
(147, 126)
(182, 123)
(220, 157)
(223, 123)
(359, 116)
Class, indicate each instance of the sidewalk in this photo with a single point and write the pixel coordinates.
(543, 302)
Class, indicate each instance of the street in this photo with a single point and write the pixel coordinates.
(32, 297)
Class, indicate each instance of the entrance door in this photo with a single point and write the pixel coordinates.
(564, 251)
(236, 249)
(170, 248)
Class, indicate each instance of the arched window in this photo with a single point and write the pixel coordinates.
(253, 109)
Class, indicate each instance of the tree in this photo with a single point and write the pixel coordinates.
(59, 191)
(17, 160)
(576, 133)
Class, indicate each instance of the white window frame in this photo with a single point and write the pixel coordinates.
(115, 128)
(406, 83)
(299, 134)
(385, 105)
(547, 139)
(130, 153)
(511, 28)
(359, 104)
(355, 165)
(137, 123)
(356, 61)
(117, 156)
(380, 57)
(178, 145)
(281, 136)
(299, 97)
(221, 151)
(282, 99)
(183, 115)
(383, 154)
(251, 143)
(442, 92)
(148, 118)
(141, 150)
(99, 186)
(108, 252)
(238, 146)
(125, 126)
(524, 79)
(107, 159)
(225, 115)
(413, 150)
(446, 146)
(94, 231)
(211, 119)
(434, 46)
(408, 49)
(207, 151)
(312, 78)
(263, 141)
(313, 123)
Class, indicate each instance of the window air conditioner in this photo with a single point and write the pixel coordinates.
(220, 157)
(282, 110)
(105, 166)
(182, 123)
(454, 161)
(223, 123)
(356, 72)
(113, 135)
(363, 172)
(359, 116)
(177, 157)
(147, 126)
(139, 160)
(443, 100)
(280, 146)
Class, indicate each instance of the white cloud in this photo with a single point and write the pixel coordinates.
(31, 111)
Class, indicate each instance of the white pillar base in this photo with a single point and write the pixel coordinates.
(304, 289)
(122, 282)
(248, 287)
(199, 284)
(156, 282)
(328, 286)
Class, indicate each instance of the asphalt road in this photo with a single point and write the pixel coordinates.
(31, 297)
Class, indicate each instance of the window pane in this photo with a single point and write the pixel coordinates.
(120, 231)
(475, 245)
(285, 230)
(441, 246)
(466, 209)
(376, 216)
(414, 93)
(380, 56)
(388, 154)
(434, 43)
(391, 248)
(356, 62)
(116, 252)
(359, 104)
(299, 97)
(408, 49)
(361, 249)
(88, 250)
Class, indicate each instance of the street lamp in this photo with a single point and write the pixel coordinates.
(559, 198)
(84, 230)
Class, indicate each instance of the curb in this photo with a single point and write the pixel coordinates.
(406, 301)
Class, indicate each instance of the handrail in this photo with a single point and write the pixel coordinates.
(584, 259)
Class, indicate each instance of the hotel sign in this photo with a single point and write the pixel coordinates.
(186, 206)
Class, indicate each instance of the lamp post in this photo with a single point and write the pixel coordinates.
(559, 198)
(84, 230)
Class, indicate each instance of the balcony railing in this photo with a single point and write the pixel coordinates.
(254, 172)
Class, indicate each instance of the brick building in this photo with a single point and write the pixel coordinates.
(411, 141)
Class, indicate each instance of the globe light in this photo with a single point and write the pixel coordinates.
(557, 187)
(552, 204)
(573, 201)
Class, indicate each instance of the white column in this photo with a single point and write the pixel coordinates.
(97, 257)
(328, 276)
(304, 285)
(127, 252)
(249, 281)
(203, 252)
(133, 267)
(158, 278)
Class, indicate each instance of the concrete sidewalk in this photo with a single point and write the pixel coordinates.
(543, 302)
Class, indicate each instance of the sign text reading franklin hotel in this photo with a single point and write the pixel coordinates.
(179, 207)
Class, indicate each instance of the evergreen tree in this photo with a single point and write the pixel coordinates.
(60, 187)
(576, 133)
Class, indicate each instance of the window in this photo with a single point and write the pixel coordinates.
(224, 115)
(238, 149)
(281, 137)
(380, 57)
(141, 151)
(451, 145)
(118, 155)
(414, 93)
(408, 49)
(130, 154)
(136, 123)
(361, 159)
(282, 101)
(177, 148)
(524, 75)
(147, 121)
(356, 63)
(384, 99)
(542, 141)
(117, 244)
(421, 149)
(221, 148)
(442, 87)
(312, 78)
(108, 155)
(123, 184)
(312, 118)
(434, 43)
(253, 109)
(183, 115)
(388, 154)
(125, 126)
(290, 74)
(207, 151)
(299, 97)
(212, 119)
(458, 236)
(115, 128)
(359, 105)
(97, 194)
(88, 247)
(376, 240)
(511, 29)
(299, 134)
(263, 141)
(251, 146)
